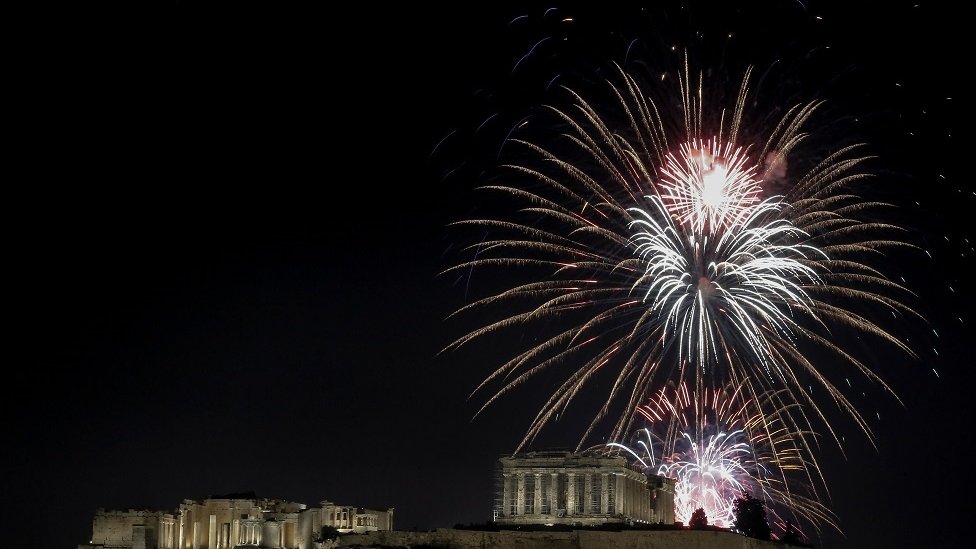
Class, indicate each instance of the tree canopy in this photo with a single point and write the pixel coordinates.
(699, 520)
(750, 517)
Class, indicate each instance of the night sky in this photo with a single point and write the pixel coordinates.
(230, 220)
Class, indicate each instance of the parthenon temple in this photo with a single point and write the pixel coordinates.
(561, 487)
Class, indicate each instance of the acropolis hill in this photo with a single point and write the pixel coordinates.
(577, 539)
(550, 499)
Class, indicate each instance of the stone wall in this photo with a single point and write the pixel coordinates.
(580, 539)
(117, 528)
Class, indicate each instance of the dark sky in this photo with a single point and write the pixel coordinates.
(230, 219)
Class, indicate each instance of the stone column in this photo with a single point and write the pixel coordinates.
(537, 504)
(604, 493)
(644, 503)
(588, 493)
(506, 494)
(520, 495)
(618, 500)
(570, 493)
(634, 488)
(641, 487)
(553, 494)
(630, 498)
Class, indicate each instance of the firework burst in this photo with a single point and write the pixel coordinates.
(651, 258)
(718, 446)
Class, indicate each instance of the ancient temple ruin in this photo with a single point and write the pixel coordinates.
(561, 487)
(230, 522)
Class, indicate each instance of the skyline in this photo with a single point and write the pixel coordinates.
(218, 301)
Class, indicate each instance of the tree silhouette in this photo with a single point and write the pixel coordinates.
(698, 520)
(750, 517)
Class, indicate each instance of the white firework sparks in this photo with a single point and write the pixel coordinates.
(723, 288)
(719, 445)
(708, 186)
(650, 263)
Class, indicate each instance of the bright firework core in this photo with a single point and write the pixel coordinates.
(713, 186)
(708, 185)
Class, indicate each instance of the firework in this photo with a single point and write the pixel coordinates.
(709, 185)
(639, 257)
(718, 446)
